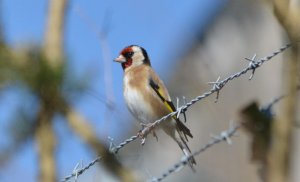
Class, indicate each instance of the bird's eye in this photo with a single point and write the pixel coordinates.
(129, 54)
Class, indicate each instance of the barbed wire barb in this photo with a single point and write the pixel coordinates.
(179, 109)
(111, 144)
(77, 172)
(253, 65)
(217, 85)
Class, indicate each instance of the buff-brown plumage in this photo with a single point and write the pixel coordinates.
(139, 79)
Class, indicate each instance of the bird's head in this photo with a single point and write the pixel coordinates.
(132, 56)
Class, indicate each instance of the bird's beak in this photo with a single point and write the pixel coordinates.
(120, 59)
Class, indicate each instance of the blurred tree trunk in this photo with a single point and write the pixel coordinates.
(288, 14)
(46, 146)
(53, 50)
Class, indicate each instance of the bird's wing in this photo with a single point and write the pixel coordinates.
(159, 88)
(162, 94)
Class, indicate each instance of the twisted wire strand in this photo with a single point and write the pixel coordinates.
(77, 172)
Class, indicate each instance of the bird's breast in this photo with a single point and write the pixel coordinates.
(136, 103)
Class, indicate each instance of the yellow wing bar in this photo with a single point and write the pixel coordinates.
(168, 104)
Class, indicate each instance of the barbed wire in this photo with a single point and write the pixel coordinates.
(217, 86)
(76, 172)
(223, 136)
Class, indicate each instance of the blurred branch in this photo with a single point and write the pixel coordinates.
(258, 124)
(288, 15)
(53, 42)
(86, 132)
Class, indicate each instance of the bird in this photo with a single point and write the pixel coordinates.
(148, 99)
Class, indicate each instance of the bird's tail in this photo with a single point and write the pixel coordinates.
(182, 142)
(183, 130)
(179, 134)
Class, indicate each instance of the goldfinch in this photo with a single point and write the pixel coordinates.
(147, 97)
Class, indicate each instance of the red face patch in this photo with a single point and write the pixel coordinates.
(127, 53)
(127, 64)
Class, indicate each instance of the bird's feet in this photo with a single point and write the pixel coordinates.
(146, 129)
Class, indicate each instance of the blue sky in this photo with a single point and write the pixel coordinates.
(165, 29)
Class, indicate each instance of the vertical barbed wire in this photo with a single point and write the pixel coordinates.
(217, 86)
